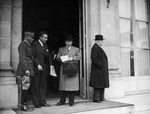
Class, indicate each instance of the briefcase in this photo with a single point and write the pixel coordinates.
(69, 68)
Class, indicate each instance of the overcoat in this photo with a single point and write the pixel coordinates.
(69, 83)
(25, 59)
(99, 69)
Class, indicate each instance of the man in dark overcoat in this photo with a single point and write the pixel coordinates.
(99, 79)
(42, 62)
(25, 67)
(69, 83)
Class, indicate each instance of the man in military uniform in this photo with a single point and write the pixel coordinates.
(25, 67)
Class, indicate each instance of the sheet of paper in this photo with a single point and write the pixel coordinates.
(52, 72)
(64, 58)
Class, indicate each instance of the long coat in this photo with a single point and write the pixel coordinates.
(69, 83)
(25, 59)
(99, 69)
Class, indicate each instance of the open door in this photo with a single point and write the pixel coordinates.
(82, 38)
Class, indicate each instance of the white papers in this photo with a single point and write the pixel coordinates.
(64, 58)
(52, 72)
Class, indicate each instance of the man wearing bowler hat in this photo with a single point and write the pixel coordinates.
(25, 67)
(99, 79)
(69, 81)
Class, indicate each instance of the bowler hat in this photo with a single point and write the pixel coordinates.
(69, 38)
(30, 34)
(99, 37)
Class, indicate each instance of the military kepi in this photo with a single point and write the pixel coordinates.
(30, 34)
(99, 37)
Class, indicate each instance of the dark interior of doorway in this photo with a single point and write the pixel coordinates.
(58, 18)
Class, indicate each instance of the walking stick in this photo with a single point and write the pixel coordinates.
(19, 82)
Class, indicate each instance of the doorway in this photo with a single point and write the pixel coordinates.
(58, 18)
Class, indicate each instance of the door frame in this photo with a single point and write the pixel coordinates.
(83, 44)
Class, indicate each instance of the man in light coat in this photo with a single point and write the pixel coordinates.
(69, 83)
(99, 79)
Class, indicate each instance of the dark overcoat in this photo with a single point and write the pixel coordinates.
(99, 69)
(69, 83)
(25, 59)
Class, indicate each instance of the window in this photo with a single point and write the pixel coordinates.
(135, 42)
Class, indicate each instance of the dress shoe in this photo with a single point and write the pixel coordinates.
(96, 101)
(24, 108)
(59, 103)
(37, 106)
(45, 105)
(71, 105)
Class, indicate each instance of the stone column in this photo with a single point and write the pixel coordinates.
(16, 32)
(8, 86)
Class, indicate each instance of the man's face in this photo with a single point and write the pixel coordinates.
(100, 42)
(30, 39)
(44, 38)
(68, 43)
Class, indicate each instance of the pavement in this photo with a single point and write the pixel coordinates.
(135, 104)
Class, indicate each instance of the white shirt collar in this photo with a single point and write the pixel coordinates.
(98, 44)
(68, 48)
(41, 43)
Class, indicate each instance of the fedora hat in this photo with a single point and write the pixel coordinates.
(99, 37)
(29, 34)
(69, 38)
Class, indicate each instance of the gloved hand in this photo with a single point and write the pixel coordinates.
(27, 73)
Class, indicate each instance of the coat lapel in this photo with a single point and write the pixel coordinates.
(40, 47)
(101, 50)
(71, 51)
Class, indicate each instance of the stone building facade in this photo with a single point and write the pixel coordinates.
(125, 27)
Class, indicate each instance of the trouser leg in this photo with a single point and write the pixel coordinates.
(35, 89)
(71, 97)
(63, 96)
(96, 94)
(42, 86)
(24, 97)
(25, 87)
(102, 90)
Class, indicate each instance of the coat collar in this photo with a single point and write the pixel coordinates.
(27, 42)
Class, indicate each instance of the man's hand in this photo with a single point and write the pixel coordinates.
(51, 66)
(70, 59)
(40, 67)
(27, 73)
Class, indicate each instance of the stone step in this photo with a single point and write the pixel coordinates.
(119, 110)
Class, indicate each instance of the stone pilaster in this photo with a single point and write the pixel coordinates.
(8, 86)
(16, 32)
